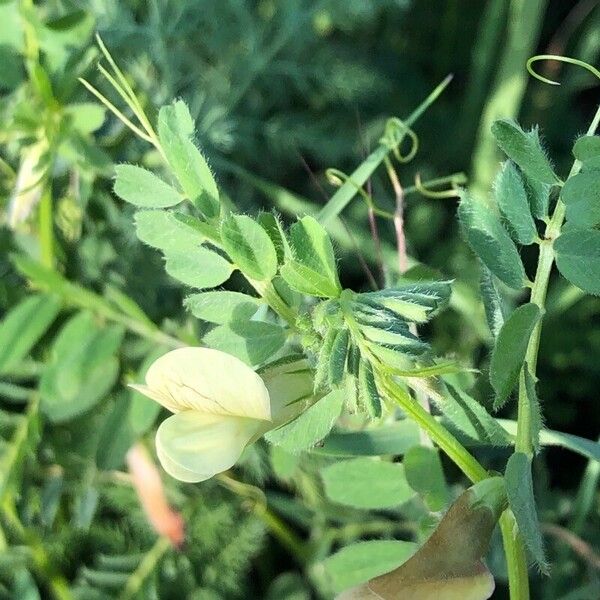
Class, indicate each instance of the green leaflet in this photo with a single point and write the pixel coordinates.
(186, 259)
(222, 307)
(360, 562)
(587, 147)
(198, 267)
(272, 225)
(85, 117)
(143, 189)
(254, 342)
(578, 258)
(83, 367)
(163, 230)
(392, 439)
(367, 389)
(424, 473)
(116, 436)
(470, 417)
(250, 247)
(535, 411)
(525, 149)
(538, 195)
(175, 129)
(23, 326)
(581, 195)
(366, 483)
(311, 426)
(509, 351)
(519, 490)
(337, 360)
(492, 301)
(511, 197)
(491, 242)
(312, 269)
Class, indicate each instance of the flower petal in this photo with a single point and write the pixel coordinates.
(209, 381)
(193, 446)
(478, 585)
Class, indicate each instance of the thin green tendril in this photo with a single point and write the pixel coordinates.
(565, 59)
(393, 136)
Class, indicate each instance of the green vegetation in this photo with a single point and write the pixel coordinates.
(356, 210)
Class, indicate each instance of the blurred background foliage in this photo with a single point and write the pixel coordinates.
(280, 91)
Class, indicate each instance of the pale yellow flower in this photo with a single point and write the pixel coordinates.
(220, 406)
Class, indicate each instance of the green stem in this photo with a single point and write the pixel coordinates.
(516, 559)
(538, 296)
(465, 461)
(271, 296)
(46, 227)
(513, 544)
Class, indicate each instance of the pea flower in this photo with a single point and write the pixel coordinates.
(220, 406)
(449, 565)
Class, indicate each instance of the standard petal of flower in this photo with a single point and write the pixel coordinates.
(209, 381)
(194, 446)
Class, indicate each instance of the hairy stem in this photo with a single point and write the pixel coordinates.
(465, 461)
(515, 556)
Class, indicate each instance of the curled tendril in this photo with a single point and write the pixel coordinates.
(393, 136)
(451, 193)
(564, 59)
(339, 178)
